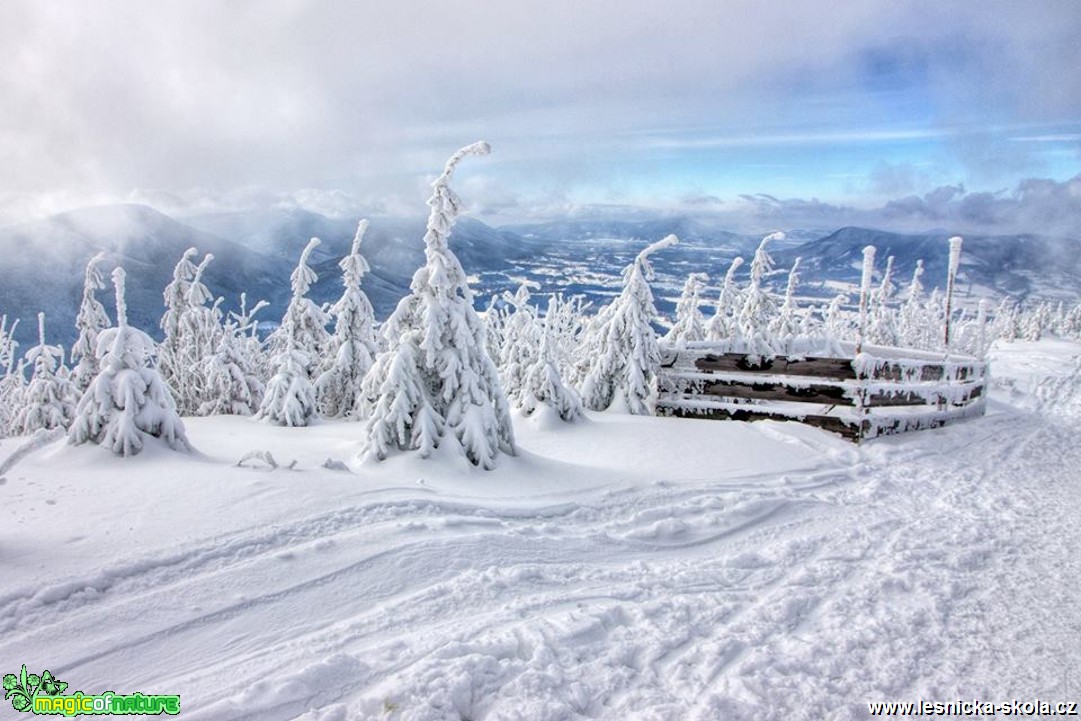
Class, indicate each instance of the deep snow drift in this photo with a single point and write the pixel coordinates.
(621, 567)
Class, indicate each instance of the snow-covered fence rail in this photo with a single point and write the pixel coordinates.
(878, 392)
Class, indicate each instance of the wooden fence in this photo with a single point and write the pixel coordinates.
(880, 392)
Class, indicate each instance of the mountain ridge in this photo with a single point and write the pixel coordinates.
(256, 252)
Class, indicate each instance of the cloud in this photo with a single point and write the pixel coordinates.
(1035, 205)
(576, 98)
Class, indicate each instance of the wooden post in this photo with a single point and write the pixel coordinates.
(865, 290)
(955, 261)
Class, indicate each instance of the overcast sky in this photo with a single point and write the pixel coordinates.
(776, 108)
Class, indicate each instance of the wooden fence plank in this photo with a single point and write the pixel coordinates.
(903, 397)
(848, 429)
(805, 393)
(839, 368)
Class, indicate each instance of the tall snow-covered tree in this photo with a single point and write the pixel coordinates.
(690, 325)
(304, 325)
(543, 384)
(724, 323)
(91, 320)
(934, 315)
(913, 322)
(175, 296)
(198, 338)
(128, 400)
(838, 325)
(50, 398)
(621, 344)
(1006, 324)
(12, 382)
(435, 381)
(290, 395)
(566, 326)
(494, 321)
(787, 325)
(353, 346)
(882, 328)
(520, 343)
(759, 305)
(251, 347)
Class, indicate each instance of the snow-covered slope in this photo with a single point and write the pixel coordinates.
(624, 567)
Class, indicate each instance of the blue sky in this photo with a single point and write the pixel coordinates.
(685, 106)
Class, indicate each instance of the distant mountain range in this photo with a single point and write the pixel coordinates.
(1021, 266)
(255, 252)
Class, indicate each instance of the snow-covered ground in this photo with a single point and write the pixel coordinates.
(622, 567)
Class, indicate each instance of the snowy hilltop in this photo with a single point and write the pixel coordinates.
(622, 567)
(470, 509)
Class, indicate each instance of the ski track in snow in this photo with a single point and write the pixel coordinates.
(938, 565)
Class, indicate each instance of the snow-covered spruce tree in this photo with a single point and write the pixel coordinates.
(304, 324)
(882, 328)
(1036, 322)
(12, 382)
(128, 400)
(175, 296)
(759, 306)
(912, 325)
(398, 403)
(436, 381)
(934, 321)
(521, 344)
(91, 320)
(50, 398)
(290, 395)
(836, 322)
(1006, 325)
(566, 324)
(973, 336)
(353, 346)
(1071, 325)
(787, 325)
(621, 344)
(232, 386)
(690, 325)
(251, 347)
(724, 323)
(199, 333)
(494, 320)
(543, 384)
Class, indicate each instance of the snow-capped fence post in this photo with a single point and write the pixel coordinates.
(955, 261)
(865, 292)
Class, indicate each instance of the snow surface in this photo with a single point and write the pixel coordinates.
(622, 567)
